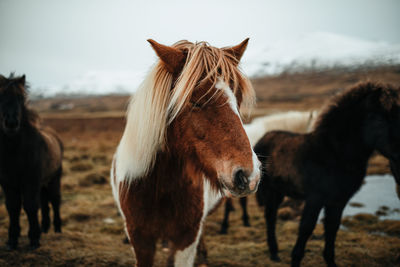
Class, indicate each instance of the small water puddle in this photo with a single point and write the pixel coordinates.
(377, 194)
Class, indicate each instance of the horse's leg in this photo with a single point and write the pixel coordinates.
(273, 200)
(333, 215)
(31, 195)
(13, 204)
(144, 245)
(54, 191)
(245, 216)
(225, 221)
(202, 257)
(45, 209)
(307, 224)
(185, 257)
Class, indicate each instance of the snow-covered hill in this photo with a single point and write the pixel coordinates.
(96, 83)
(314, 50)
(318, 50)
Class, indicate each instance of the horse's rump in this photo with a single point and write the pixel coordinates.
(294, 121)
(52, 154)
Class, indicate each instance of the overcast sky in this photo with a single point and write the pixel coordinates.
(54, 41)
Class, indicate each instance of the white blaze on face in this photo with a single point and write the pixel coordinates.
(255, 175)
(221, 85)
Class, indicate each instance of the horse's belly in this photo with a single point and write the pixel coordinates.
(289, 187)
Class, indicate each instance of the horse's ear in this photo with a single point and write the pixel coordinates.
(238, 50)
(21, 80)
(387, 101)
(173, 58)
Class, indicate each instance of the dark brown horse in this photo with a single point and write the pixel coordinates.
(327, 166)
(183, 148)
(294, 121)
(30, 163)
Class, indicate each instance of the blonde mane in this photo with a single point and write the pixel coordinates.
(293, 121)
(159, 100)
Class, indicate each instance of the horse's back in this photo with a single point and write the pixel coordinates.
(272, 140)
(294, 121)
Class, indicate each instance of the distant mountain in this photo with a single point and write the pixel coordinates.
(95, 83)
(310, 51)
(318, 50)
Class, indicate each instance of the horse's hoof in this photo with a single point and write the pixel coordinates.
(165, 246)
(223, 231)
(11, 246)
(45, 227)
(246, 224)
(275, 258)
(34, 245)
(57, 230)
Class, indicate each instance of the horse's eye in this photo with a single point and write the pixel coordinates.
(196, 105)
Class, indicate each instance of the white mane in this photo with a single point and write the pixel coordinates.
(144, 130)
(158, 101)
(294, 121)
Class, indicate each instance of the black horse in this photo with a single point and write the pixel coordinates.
(30, 163)
(327, 166)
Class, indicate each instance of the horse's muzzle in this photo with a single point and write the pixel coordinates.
(243, 184)
(11, 127)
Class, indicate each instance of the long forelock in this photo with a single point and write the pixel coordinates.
(159, 100)
(217, 64)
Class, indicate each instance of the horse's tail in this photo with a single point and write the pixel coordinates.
(60, 143)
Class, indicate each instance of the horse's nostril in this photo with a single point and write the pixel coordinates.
(11, 124)
(241, 180)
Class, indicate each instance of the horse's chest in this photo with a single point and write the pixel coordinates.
(17, 162)
(18, 168)
(174, 214)
(161, 205)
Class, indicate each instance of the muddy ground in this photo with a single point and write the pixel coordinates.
(93, 231)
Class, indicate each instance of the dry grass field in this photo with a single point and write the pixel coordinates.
(93, 231)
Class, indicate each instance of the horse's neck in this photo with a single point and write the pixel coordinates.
(173, 172)
(180, 177)
(346, 143)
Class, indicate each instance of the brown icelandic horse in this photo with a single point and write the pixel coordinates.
(30, 163)
(295, 121)
(327, 166)
(183, 148)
